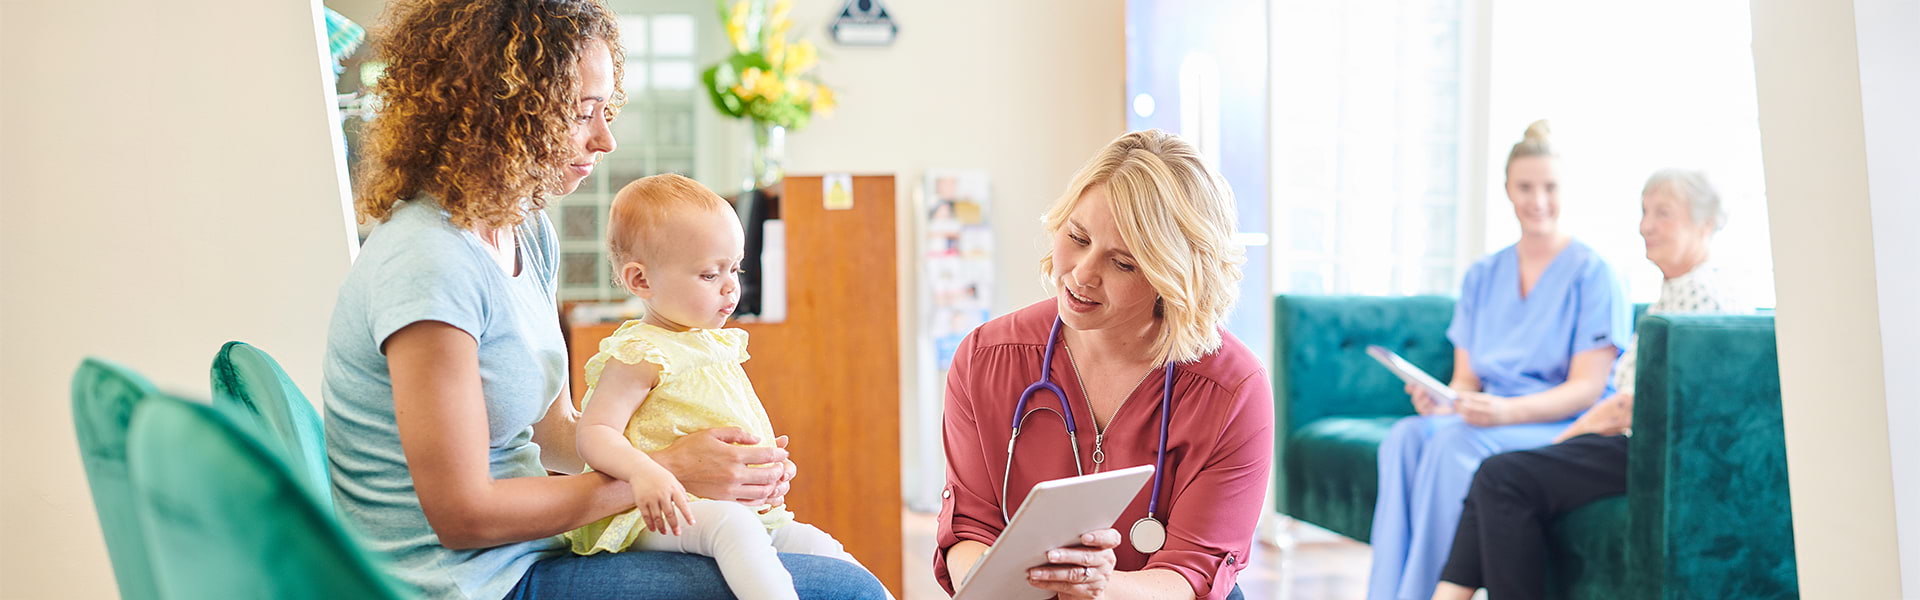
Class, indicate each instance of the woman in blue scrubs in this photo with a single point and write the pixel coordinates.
(1535, 334)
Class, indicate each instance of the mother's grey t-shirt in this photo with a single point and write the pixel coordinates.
(417, 266)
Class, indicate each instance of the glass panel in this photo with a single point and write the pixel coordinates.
(673, 74)
(1439, 280)
(633, 34)
(1308, 230)
(681, 166)
(636, 78)
(1371, 195)
(1307, 281)
(673, 35)
(579, 269)
(623, 170)
(1440, 231)
(673, 127)
(580, 222)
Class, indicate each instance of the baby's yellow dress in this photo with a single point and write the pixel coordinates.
(701, 386)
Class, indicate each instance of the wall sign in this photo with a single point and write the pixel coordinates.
(863, 23)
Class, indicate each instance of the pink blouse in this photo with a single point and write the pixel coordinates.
(1219, 448)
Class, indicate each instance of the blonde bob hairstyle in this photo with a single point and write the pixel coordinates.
(1177, 217)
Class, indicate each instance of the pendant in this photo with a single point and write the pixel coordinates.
(1148, 535)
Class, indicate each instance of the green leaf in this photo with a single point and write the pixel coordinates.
(722, 93)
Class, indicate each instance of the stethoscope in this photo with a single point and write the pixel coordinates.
(1149, 534)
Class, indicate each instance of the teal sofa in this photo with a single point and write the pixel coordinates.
(1706, 514)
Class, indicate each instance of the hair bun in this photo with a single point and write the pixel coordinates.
(1537, 131)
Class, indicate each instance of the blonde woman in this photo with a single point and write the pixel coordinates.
(1534, 336)
(1142, 271)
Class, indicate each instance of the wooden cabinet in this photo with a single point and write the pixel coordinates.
(829, 374)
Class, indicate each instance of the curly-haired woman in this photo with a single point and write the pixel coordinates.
(445, 374)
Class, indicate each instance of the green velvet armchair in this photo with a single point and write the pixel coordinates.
(1706, 514)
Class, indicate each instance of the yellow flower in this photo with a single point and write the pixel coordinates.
(762, 83)
(776, 51)
(737, 26)
(750, 83)
(823, 102)
(779, 12)
(800, 88)
(799, 57)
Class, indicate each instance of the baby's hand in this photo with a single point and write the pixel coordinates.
(660, 499)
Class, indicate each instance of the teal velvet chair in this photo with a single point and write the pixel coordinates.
(249, 381)
(104, 398)
(1706, 514)
(1334, 404)
(227, 518)
(1707, 468)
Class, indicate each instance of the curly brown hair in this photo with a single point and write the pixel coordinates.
(475, 102)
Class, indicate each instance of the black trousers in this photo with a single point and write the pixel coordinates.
(1501, 544)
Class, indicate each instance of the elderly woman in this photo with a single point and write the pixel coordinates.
(445, 374)
(1143, 269)
(1501, 544)
(1535, 333)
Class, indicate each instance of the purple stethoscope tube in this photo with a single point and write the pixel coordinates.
(1046, 383)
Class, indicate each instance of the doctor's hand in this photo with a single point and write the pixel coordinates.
(1078, 571)
(718, 464)
(1482, 409)
(1424, 403)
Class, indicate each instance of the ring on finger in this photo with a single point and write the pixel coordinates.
(1086, 573)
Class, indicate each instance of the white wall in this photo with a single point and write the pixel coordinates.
(167, 183)
(1830, 322)
(1027, 91)
(1889, 89)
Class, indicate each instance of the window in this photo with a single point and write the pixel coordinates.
(1368, 145)
(1389, 159)
(667, 126)
(1632, 87)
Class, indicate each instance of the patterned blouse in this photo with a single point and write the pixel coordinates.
(1702, 290)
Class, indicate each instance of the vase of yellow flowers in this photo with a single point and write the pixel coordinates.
(768, 81)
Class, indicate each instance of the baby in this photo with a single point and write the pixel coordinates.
(677, 246)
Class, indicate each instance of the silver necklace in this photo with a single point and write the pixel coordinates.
(1099, 432)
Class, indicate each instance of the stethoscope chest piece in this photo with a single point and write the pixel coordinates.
(1148, 535)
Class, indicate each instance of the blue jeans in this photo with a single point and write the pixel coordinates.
(673, 576)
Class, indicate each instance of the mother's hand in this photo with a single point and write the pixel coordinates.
(786, 478)
(717, 464)
(1078, 571)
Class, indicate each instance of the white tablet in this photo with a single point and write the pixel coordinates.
(1443, 395)
(1053, 515)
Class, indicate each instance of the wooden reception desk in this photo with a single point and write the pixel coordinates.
(829, 374)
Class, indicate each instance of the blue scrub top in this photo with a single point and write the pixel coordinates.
(1521, 346)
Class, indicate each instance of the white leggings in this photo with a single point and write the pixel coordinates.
(748, 554)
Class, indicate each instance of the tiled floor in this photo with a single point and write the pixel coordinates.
(1319, 565)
